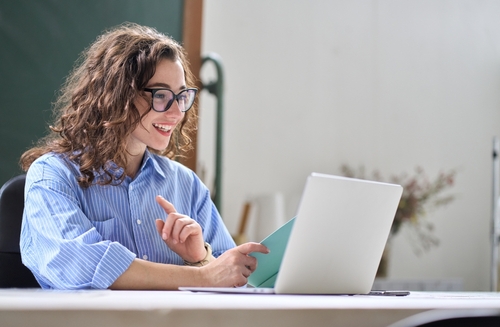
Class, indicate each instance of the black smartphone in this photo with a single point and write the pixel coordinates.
(389, 293)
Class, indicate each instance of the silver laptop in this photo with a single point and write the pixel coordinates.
(335, 243)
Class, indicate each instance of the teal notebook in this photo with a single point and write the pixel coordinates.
(269, 264)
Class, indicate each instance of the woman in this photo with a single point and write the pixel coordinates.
(97, 183)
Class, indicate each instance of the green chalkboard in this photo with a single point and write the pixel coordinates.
(39, 43)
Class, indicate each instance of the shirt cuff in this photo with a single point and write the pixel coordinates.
(113, 264)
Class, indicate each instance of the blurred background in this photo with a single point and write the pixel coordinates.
(308, 86)
(388, 85)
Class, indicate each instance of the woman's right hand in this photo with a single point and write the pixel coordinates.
(233, 267)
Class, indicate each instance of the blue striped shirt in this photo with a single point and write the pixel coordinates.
(77, 238)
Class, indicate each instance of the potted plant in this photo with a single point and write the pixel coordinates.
(420, 195)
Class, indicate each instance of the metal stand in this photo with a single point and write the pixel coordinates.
(216, 88)
(495, 222)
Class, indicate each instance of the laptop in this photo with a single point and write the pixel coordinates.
(332, 246)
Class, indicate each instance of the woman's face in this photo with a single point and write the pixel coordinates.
(157, 127)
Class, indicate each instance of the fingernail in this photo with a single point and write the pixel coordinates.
(164, 236)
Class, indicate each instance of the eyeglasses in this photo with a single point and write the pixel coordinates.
(162, 99)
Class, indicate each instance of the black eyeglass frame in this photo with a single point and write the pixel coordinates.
(175, 97)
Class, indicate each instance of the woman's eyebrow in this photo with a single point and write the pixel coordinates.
(164, 85)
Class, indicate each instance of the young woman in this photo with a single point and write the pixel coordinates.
(105, 206)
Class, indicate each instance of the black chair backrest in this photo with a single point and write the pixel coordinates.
(452, 318)
(12, 271)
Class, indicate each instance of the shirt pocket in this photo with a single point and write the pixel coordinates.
(107, 228)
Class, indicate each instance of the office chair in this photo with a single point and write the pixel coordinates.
(452, 318)
(12, 271)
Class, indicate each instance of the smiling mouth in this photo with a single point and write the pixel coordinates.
(163, 128)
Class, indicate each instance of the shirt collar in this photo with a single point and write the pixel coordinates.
(149, 159)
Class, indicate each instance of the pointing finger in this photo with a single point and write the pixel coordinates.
(169, 207)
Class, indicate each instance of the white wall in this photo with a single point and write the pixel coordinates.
(390, 85)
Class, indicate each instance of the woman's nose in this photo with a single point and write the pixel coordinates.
(175, 109)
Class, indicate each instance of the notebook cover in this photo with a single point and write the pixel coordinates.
(269, 264)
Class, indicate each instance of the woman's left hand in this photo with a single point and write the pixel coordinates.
(182, 234)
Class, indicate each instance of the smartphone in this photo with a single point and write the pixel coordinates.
(389, 293)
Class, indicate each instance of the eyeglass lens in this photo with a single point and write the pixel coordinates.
(163, 99)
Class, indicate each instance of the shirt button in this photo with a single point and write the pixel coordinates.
(139, 221)
(145, 257)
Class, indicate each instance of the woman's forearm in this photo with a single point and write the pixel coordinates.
(146, 275)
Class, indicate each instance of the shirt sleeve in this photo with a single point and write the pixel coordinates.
(214, 230)
(58, 243)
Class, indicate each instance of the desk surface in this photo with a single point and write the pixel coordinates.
(162, 308)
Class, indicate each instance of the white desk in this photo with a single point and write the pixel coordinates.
(154, 308)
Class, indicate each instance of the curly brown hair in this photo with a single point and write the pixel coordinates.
(95, 111)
